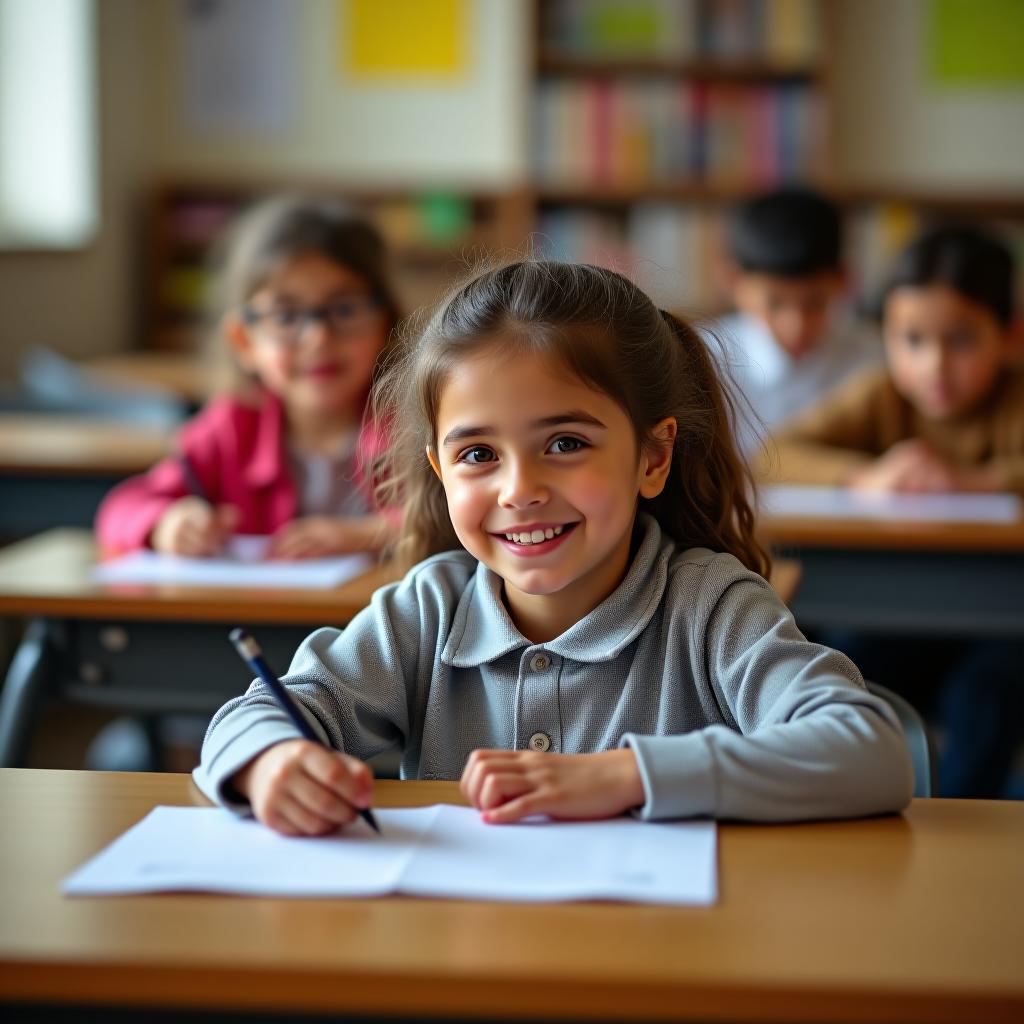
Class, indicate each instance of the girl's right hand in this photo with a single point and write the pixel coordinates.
(301, 788)
(193, 527)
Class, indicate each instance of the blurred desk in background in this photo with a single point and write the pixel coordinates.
(948, 579)
(153, 649)
(187, 376)
(55, 469)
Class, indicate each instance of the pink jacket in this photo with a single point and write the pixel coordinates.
(237, 453)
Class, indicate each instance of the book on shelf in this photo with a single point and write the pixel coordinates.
(668, 249)
(780, 32)
(633, 132)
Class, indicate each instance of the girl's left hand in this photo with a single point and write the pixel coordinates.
(319, 536)
(508, 785)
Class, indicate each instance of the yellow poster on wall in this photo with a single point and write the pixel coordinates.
(379, 40)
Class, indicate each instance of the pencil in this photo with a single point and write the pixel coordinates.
(252, 655)
(192, 481)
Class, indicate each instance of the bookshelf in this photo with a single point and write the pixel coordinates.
(433, 235)
(652, 117)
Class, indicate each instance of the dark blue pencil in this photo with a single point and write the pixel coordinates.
(192, 481)
(252, 655)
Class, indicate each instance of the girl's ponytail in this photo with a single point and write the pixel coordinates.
(710, 488)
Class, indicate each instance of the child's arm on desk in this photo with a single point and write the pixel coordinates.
(317, 536)
(913, 466)
(840, 436)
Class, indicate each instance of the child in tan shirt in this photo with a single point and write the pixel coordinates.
(948, 415)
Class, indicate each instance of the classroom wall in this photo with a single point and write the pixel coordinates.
(85, 301)
(468, 131)
(463, 129)
(893, 129)
(896, 128)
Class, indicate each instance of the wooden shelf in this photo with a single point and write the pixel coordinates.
(187, 217)
(627, 195)
(725, 69)
(707, 70)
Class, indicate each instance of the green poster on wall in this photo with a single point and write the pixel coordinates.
(976, 42)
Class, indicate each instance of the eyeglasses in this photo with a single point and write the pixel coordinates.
(286, 325)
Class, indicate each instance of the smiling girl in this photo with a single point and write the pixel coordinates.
(587, 630)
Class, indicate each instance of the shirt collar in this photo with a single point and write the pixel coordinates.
(482, 630)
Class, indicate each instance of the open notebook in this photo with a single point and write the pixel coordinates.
(439, 851)
(243, 564)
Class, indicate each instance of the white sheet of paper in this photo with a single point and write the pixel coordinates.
(431, 851)
(243, 564)
(843, 503)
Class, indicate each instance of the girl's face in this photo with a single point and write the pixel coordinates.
(944, 351)
(312, 334)
(542, 476)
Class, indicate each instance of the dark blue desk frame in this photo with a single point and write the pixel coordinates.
(138, 667)
(925, 592)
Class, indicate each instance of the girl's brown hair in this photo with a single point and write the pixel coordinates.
(277, 230)
(610, 335)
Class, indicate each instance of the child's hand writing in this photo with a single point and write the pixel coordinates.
(317, 536)
(193, 527)
(301, 788)
(508, 785)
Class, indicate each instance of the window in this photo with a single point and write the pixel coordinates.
(48, 125)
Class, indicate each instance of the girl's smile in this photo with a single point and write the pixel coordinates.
(535, 539)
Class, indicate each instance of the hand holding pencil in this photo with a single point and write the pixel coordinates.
(193, 526)
(301, 787)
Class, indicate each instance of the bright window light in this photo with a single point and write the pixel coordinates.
(48, 134)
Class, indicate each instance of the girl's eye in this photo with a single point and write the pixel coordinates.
(477, 455)
(565, 445)
(912, 339)
(285, 317)
(961, 341)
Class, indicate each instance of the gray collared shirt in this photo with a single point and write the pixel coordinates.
(693, 662)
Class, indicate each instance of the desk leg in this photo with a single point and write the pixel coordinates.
(22, 693)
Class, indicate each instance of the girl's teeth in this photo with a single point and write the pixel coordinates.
(535, 536)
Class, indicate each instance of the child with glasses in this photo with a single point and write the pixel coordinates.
(309, 312)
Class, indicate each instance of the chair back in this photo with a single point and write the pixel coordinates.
(919, 739)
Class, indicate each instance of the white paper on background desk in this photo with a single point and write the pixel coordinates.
(243, 564)
(429, 851)
(843, 503)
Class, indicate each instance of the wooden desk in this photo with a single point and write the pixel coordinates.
(934, 578)
(54, 470)
(912, 918)
(184, 374)
(141, 648)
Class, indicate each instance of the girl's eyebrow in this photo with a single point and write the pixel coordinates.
(559, 420)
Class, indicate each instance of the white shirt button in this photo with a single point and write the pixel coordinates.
(540, 741)
(538, 663)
